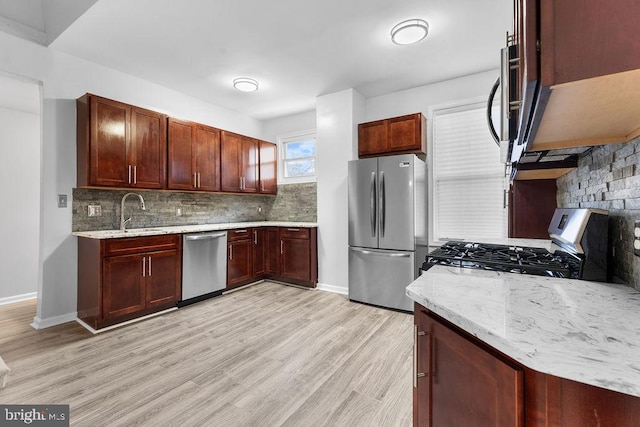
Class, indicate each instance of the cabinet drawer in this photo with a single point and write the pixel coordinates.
(294, 233)
(239, 234)
(132, 245)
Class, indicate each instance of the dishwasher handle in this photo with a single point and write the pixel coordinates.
(204, 236)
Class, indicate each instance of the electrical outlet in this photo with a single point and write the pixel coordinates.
(62, 200)
(178, 211)
(636, 238)
(95, 210)
(259, 209)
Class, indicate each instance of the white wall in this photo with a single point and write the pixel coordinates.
(20, 140)
(65, 78)
(419, 99)
(284, 125)
(336, 123)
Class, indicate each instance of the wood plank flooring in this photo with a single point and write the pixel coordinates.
(266, 355)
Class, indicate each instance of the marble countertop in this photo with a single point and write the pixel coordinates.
(574, 329)
(181, 229)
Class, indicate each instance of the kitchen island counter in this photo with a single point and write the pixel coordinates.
(181, 229)
(583, 331)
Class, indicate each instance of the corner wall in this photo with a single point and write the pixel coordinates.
(609, 178)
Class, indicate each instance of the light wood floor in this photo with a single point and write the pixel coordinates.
(267, 355)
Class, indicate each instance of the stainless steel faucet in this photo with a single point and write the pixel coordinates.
(124, 222)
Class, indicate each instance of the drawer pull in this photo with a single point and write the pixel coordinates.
(240, 231)
(293, 229)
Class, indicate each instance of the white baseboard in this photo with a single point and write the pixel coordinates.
(333, 288)
(18, 298)
(128, 322)
(39, 323)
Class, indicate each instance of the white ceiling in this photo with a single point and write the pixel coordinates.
(296, 49)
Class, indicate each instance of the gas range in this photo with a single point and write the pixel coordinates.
(581, 236)
(505, 258)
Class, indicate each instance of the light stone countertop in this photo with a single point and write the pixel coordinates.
(574, 329)
(181, 229)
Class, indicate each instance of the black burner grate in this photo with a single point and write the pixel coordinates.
(513, 259)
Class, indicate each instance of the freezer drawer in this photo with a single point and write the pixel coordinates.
(380, 277)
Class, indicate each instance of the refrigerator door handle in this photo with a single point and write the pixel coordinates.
(387, 254)
(372, 207)
(382, 206)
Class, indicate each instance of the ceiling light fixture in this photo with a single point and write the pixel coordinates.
(245, 84)
(409, 31)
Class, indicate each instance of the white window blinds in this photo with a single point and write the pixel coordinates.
(468, 178)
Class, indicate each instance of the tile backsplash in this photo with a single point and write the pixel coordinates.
(294, 202)
(609, 178)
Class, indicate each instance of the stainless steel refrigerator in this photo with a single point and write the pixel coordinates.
(387, 228)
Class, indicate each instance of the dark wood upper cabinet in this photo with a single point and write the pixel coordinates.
(194, 156)
(531, 207)
(268, 168)
(404, 134)
(579, 72)
(119, 145)
(239, 164)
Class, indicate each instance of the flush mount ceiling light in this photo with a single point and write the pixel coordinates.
(409, 31)
(245, 84)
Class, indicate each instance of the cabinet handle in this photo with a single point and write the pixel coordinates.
(240, 231)
(293, 229)
(255, 237)
(135, 174)
(281, 247)
(129, 175)
(195, 182)
(144, 266)
(149, 266)
(262, 186)
(230, 252)
(241, 183)
(416, 374)
(198, 179)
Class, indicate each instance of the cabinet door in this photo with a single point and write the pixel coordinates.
(123, 285)
(405, 133)
(109, 136)
(239, 262)
(250, 165)
(268, 168)
(181, 156)
(230, 156)
(149, 148)
(163, 275)
(207, 154)
(259, 251)
(272, 237)
(466, 385)
(295, 259)
(372, 138)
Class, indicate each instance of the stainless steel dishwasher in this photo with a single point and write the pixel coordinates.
(204, 265)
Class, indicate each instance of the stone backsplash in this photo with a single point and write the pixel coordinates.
(294, 202)
(609, 178)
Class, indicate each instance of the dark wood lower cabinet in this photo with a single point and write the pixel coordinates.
(458, 383)
(461, 381)
(121, 279)
(239, 266)
(279, 253)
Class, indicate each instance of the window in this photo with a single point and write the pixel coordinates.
(298, 157)
(467, 175)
